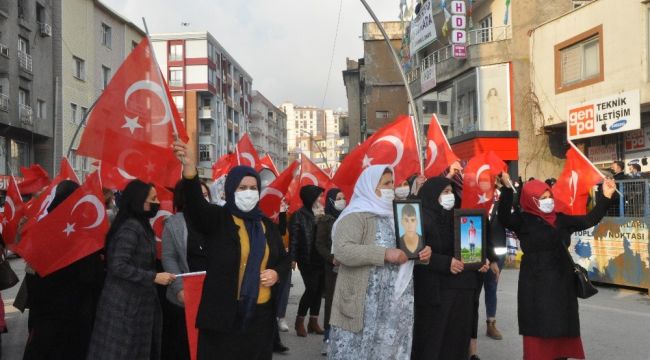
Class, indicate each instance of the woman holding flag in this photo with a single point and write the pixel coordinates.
(245, 255)
(546, 296)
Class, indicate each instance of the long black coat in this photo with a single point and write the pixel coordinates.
(546, 297)
(129, 319)
(219, 303)
(302, 238)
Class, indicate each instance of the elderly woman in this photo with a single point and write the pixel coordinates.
(546, 297)
(372, 309)
(245, 256)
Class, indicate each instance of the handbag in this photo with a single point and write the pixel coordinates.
(584, 288)
(8, 277)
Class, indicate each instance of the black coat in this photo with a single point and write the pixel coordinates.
(546, 297)
(219, 303)
(302, 238)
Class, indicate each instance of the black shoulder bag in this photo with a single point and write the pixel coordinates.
(584, 288)
(8, 277)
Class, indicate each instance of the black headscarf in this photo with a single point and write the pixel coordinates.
(64, 189)
(309, 194)
(329, 203)
(132, 207)
(443, 220)
(250, 286)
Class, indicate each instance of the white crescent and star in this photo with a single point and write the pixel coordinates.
(310, 177)
(248, 156)
(396, 142)
(132, 123)
(271, 191)
(434, 153)
(99, 207)
(120, 163)
(48, 200)
(482, 198)
(573, 186)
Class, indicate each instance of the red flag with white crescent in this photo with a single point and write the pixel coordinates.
(571, 191)
(439, 153)
(271, 197)
(479, 180)
(246, 153)
(14, 210)
(34, 179)
(166, 210)
(73, 230)
(222, 166)
(267, 163)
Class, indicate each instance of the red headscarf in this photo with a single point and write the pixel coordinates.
(530, 195)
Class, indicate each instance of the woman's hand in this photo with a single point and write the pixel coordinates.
(609, 187)
(395, 256)
(485, 266)
(268, 277)
(505, 179)
(181, 296)
(456, 266)
(419, 181)
(186, 157)
(496, 271)
(454, 169)
(164, 278)
(425, 254)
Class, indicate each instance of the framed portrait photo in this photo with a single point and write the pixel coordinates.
(408, 227)
(470, 237)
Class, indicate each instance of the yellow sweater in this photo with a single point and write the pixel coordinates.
(265, 292)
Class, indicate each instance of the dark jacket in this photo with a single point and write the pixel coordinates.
(546, 297)
(219, 303)
(129, 318)
(302, 235)
(324, 239)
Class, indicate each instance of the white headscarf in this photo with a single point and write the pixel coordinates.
(364, 199)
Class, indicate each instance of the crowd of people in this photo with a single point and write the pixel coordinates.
(379, 302)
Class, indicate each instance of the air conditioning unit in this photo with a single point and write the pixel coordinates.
(46, 30)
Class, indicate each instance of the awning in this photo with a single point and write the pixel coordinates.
(505, 144)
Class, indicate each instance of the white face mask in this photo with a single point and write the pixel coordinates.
(447, 201)
(339, 204)
(246, 199)
(402, 192)
(547, 205)
(387, 195)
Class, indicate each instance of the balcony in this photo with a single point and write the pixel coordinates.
(25, 61)
(237, 86)
(255, 130)
(207, 113)
(4, 103)
(228, 101)
(26, 115)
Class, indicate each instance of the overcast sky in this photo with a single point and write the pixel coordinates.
(285, 45)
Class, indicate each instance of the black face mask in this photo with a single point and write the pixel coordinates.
(154, 210)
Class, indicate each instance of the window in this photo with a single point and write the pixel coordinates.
(106, 76)
(485, 34)
(134, 44)
(40, 13)
(79, 68)
(579, 61)
(41, 110)
(175, 52)
(206, 127)
(23, 45)
(179, 100)
(106, 35)
(175, 76)
(23, 97)
(84, 111)
(206, 103)
(73, 113)
(381, 114)
(205, 152)
(21, 9)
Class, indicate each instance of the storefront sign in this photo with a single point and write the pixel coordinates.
(428, 78)
(638, 140)
(423, 29)
(602, 153)
(608, 115)
(458, 25)
(615, 251)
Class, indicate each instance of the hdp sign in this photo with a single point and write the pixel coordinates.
(458, 24)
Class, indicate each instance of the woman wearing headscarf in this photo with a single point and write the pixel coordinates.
(62, 304)
(245, 256)
(547, 305)
(129, 318)
(372, 309)
(334, 204)
(444, 293)
(302, 239)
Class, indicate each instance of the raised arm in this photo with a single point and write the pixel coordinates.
(348, 249)
(508, 218)
(577, 223)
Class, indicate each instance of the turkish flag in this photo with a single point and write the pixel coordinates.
(271, 197)
(112, 177)
(292, 196)
(439, 153)
(267, 163)
(394, 145)
(223, 165)
(73, 230)
(14, 210)
(135, 108)
(34, 179)
(479, 180)
(192, 291)
(246, 153)
(310, 174)
(38, 208)
(166, 210)
(571, 191)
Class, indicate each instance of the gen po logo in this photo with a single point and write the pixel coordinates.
(581, 120)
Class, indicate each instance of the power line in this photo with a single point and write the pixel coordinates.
(329, 72)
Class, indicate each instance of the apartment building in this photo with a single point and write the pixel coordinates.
(268, 130)
(212, 92)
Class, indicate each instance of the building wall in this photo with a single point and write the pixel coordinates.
(268, 129)
(351, 79)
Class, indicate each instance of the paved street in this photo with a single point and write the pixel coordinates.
(615, 325)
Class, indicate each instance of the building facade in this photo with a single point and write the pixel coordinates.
(268, 130)
(94, 42)
(482, 99)
(212, 92)
(374, 86)
(27, 97)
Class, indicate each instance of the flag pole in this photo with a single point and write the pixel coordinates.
(416, 119)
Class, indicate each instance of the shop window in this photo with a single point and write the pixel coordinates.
(579, 61)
